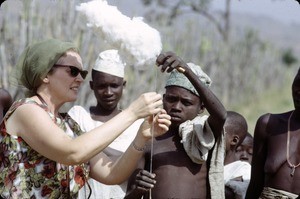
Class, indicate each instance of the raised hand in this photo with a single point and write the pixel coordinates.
(170, 61)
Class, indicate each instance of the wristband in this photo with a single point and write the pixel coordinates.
(138, 148)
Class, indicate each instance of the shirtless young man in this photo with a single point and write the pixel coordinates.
(174, 174)
(236, 172)
(236, 129)
(276, 157)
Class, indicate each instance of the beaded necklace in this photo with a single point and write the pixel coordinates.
(293, 167)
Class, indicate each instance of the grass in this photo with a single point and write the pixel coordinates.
(272, 101)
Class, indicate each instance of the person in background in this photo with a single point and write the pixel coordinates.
(107, 85)
(236, 129)
(5, 102)
(40, 158)
(275, 171)
(244, 151)
(236, 172)
(176, 166)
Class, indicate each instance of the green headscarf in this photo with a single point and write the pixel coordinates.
(37, 60)
(178, 79)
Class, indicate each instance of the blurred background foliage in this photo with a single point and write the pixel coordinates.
(251, 75)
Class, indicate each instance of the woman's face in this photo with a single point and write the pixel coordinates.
(66, 77)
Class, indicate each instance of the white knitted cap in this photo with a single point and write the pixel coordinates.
(110, 62)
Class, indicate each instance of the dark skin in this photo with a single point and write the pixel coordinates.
(5, 102)
(235, 134)
(236, 130)
(108, 90)
(269, 163)
(174, 175)
(244, 152)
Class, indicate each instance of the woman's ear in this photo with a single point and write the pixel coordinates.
(46, 80)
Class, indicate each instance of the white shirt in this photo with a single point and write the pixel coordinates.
(121, 143)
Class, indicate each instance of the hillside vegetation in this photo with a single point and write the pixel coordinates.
(276, 100)
(244, 61)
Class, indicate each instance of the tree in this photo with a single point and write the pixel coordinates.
(288, 57)
(176, 8)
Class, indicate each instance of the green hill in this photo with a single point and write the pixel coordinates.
(273, 101)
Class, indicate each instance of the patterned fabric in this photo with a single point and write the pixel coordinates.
(271, 193)
(176, 78)
(27, 174)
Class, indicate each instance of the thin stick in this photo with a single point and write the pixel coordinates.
(152, 138)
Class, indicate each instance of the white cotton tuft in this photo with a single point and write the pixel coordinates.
(137, 42)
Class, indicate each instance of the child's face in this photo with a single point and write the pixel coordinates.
(245, 150)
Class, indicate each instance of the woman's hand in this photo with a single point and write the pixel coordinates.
(156, 125)
(147, 104)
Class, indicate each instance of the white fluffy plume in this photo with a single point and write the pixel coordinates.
(137, 42)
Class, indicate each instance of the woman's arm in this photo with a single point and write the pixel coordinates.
(36, 128)
(107, 171)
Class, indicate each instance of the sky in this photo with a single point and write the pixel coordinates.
(287, 11)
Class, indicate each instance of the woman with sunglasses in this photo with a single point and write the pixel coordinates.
(45, 155)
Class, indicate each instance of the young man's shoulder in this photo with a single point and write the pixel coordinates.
(77, 109)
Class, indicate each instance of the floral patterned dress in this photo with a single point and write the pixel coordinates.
(27, 174)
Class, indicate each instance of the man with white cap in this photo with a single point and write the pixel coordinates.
(107, 84)
(183, 162)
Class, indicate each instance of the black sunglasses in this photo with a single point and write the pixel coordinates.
(74, 71)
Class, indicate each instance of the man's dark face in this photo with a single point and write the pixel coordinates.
(296, 91)
(108, 89)
(181, 104)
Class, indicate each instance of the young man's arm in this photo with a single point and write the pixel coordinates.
(169, 61)
(216, 110)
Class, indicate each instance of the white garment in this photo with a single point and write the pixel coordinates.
(234, 170)
(121, 143)
(237, 169)
(198, 139)
(216, 170)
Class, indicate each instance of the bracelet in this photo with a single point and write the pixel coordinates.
(138, 148)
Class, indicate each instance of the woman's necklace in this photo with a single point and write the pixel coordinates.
(293, 167)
